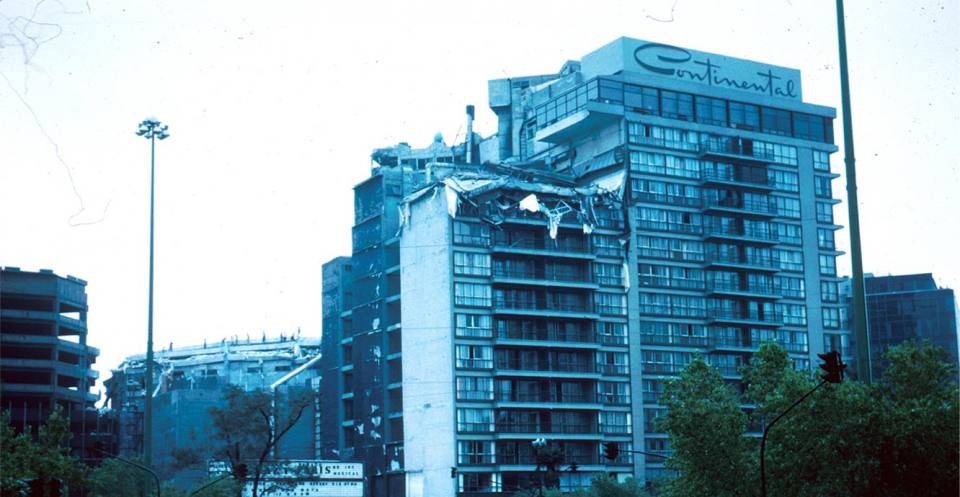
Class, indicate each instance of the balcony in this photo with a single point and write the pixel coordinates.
(733, 178)
(662, 367)
(764, 208)
(546, 366)
(542, 245)
(548, 335)
(674, 200)
(553, 429)
(745, 317)
(541, 305)
(741, 233)
(668, 227)
(741, 289)
(543, 276)
(739, 261)
(734, 149)
(545, 397)
(648, 280)
(528, 458)
(687, 341)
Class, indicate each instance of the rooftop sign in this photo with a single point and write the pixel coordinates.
(672, 62)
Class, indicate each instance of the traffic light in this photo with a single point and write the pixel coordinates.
(611, 450)
(453, 471)
(833, 366)
(574, 467)
(240, 472)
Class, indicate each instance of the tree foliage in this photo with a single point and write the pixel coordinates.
(248, 429)
(41, 463)
(897, 437)
(706, 427)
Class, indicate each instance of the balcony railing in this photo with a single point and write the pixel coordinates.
(764, 261)
(542, 243)
(755, 206)
(668, 254)
(528, 458)
(542, 305)
(614, 399)
(613, 369)
(661, 198)
(690, 341)
(662, 367)
(741, 232)
(744, 315)
(543, 274)
(740, 287)
(561, 428)
(732, 177)
(568, 398)
(560, 367)
(548, 335)
(669, 227)
(733, 147)
(666, 282)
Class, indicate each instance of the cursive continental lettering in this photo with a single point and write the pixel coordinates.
(668, 60)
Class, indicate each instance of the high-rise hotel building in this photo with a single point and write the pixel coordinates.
(642, 205)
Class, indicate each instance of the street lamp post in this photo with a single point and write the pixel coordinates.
(151, 129)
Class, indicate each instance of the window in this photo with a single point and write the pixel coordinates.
(676, 105)
(744, 116)
(608, 274)
(471, 264)
(776, 121)
(615, 422)
(669, 248)
(474, 356)
(474, 325)
(828, 291)
(667, 165)
(793, 314)
(614, 363)
(824, 213)
(809, 127)
(610, 392)
(787, 207)
(821, 186)
(828, 265)
(789, 286)
(475, 420)
(711, 111)
(784, 181)
(608, 246)
(611, 333)
(790, 260)
(789, 234)
(831, 318)
(612, 303)
(471, 294)
(642, 98)
(825, 239)
(821, 160)
(474, 388)
(473, 234)
(475, 452)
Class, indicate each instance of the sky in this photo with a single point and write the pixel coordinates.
(273, 109)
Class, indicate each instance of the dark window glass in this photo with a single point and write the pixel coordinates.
(711, 111)
(776, 121)
(611, 91)
(676, 105)
(745, 116)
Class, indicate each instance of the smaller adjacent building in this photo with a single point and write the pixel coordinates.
(45, 360)
(191, 380)
(908, 307)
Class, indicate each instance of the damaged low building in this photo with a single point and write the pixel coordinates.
(190, 380)
(546, 281)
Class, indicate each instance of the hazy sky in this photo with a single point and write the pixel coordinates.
(274, 108)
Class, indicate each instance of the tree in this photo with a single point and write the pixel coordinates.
(897, 437)
(35, 465)
(116, 478)
(249, 428)
(706, 428)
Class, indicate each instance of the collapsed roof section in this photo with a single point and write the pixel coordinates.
(495, 193)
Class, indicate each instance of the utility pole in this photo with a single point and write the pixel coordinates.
(860, 334)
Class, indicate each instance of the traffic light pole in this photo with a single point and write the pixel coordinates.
(766, 430)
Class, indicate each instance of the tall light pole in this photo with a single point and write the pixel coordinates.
(860, 332)
(152, 130)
